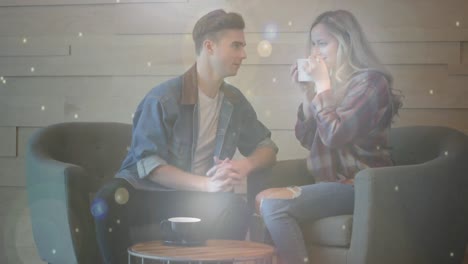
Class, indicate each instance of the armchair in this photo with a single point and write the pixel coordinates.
(414, 212)
(66, 165)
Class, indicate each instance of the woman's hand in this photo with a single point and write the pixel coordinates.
(317, 68)
(305, 87)
(319, 72)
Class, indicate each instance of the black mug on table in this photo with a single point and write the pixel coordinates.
(181, 229)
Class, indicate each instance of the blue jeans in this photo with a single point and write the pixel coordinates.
(284, 216)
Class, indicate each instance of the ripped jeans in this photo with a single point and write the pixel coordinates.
(311, 202)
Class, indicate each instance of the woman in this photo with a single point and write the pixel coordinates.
(344, 121)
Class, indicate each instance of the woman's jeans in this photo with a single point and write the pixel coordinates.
(284, 216)
(118, 207)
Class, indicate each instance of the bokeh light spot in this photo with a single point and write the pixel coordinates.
(264, 48)
(270, 32)
(99, 208)
(121, 196)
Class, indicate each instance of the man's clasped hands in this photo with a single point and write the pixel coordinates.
(227, 173)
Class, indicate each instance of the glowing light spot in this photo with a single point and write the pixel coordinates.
(446, 153)
(42, 108)
(274, 80)
(77, 230)
(99, 208)
(149, 64)
(397, 188)
(121, 196)
(431, 92)
(110, 229)
(452, 254)
(76, 116)
(270, 32)
(343, 227)
(32, 69)
(118, 221)
(25, 40)
(264, 48)
(457, 23)
(54, 251)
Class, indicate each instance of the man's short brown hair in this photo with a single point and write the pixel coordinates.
(208, 26)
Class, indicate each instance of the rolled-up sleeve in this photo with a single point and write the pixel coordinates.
(149, 139)
(268, 143)
(305, 128)
(146, 165)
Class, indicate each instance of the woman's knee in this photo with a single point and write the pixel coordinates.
(275, 197)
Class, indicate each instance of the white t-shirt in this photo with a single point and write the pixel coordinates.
(208, 115)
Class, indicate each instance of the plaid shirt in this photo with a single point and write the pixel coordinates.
(348, 136)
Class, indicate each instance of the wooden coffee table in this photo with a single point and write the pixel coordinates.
(215, 251)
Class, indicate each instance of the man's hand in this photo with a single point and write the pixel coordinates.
(218, 185)
(223, 170)
(236, 170)
(241, 169)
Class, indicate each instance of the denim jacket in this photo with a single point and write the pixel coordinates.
(165, 129)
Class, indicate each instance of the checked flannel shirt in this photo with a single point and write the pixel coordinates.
(347, 136)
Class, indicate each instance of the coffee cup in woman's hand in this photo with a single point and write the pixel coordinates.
(302, 74)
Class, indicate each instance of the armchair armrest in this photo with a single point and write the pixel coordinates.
(58, 199)
(403, 214)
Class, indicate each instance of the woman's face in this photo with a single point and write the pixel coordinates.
(324, 45)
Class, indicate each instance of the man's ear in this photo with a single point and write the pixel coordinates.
(208, 45)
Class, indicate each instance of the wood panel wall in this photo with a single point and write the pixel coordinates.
(93, 60)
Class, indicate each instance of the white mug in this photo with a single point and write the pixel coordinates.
(302, 75)
(184, 219)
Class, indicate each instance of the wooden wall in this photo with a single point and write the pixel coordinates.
(93, 60)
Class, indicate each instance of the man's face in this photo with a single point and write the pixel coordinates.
(228, 52)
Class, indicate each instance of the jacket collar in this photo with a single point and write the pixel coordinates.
(189, 94)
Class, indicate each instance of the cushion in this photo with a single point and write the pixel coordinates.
(331, 231)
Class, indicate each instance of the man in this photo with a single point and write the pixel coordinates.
(185, 132)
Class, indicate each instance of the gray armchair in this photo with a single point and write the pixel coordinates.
(414, 212)
(66, 165)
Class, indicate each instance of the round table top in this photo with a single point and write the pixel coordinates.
(213, 250)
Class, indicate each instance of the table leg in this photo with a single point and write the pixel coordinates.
(267, 260)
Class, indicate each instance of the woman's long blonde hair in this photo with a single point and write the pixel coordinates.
(354, 53)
